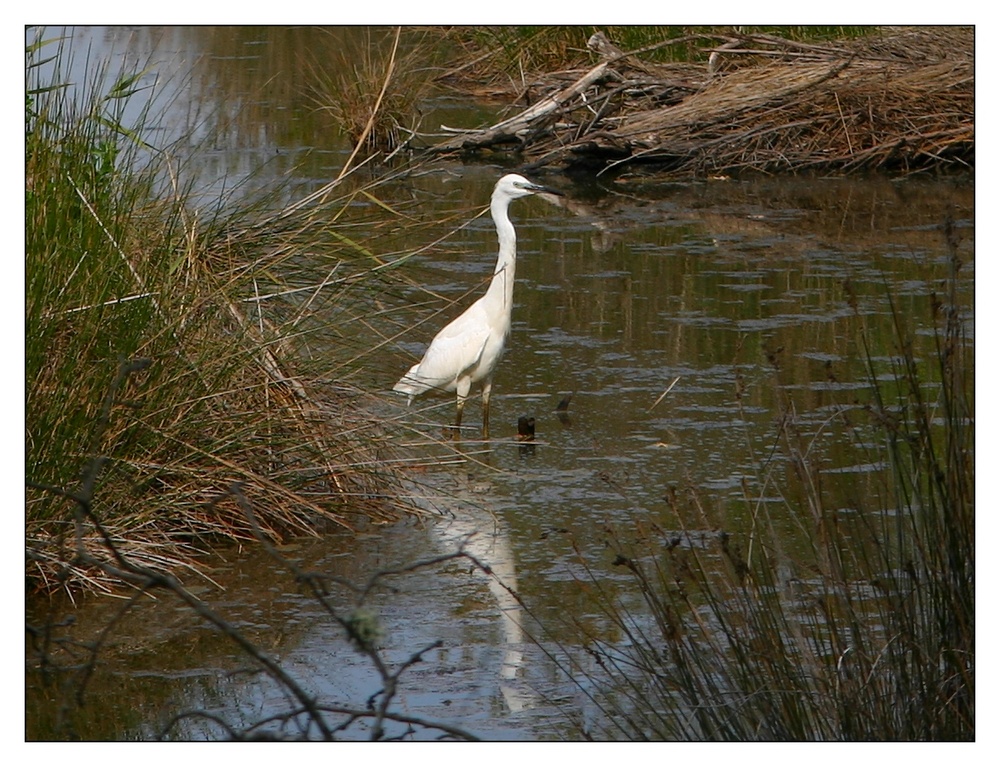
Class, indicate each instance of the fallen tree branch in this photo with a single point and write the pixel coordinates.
(527, 120)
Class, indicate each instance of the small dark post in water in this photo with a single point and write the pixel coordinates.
(525, 429)
(526, 435)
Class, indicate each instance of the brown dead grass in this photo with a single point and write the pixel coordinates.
(901, 100)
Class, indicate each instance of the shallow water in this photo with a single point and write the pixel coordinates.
(732, 294)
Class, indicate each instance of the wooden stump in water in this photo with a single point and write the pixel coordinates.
(525, 428)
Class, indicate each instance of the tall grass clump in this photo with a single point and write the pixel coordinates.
(161, 348)
(373, 87)
(867, 631)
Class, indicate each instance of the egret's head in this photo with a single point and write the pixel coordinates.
(513, 186)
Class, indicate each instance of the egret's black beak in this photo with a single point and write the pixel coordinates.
(539, 189)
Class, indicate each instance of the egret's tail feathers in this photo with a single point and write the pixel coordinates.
(411, 385)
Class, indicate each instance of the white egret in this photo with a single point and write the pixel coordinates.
(467, 349)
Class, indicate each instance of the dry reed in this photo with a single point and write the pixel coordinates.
(902, 99)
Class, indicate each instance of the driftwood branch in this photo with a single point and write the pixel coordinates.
(528, 120)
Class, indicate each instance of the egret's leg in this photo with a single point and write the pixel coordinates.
(487, 388)
(462, 394)
(459, 407)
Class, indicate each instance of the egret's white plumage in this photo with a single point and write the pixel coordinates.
(467, 349)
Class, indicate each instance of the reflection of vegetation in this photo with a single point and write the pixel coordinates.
(64, 667)
(873, 637)
(202, 309)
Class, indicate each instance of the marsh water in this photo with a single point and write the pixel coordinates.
(675, 318)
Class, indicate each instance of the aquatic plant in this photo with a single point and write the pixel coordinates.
(373, 88)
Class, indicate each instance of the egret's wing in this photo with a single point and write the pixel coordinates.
(454, 350)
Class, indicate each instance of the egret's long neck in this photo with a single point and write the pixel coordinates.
(502, 287)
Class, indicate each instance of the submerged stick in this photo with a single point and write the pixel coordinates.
(665, 393)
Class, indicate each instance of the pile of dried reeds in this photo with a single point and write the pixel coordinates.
(900, 100)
